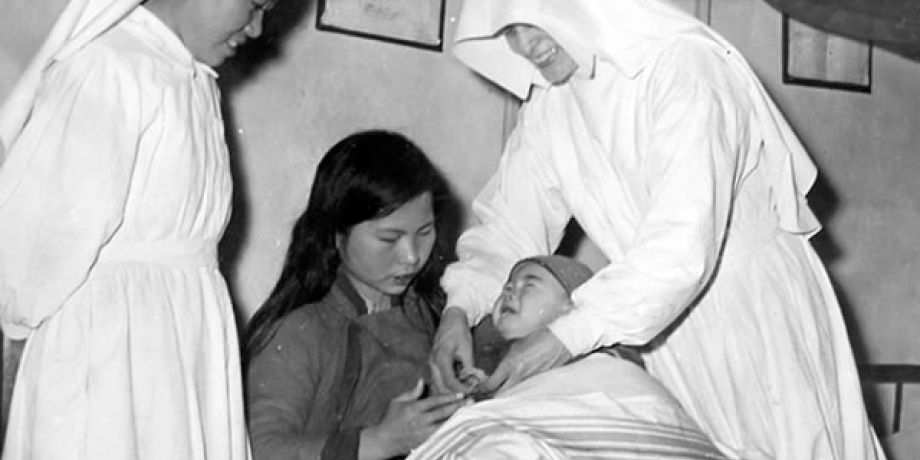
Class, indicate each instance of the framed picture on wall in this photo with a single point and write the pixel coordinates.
(813, 57)
(417, 23)
(698, 8)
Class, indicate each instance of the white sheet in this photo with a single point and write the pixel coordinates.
(598, 407)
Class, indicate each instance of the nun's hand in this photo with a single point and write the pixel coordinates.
(452, 350)
(531, 355)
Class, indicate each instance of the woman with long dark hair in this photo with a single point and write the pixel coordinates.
(338, 352)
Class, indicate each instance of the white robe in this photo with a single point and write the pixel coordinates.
(674, 161)
(116, 194)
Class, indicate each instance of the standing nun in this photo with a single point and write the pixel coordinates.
(114, 194)
(656, 136)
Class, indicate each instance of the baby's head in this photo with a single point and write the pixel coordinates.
(538, 291)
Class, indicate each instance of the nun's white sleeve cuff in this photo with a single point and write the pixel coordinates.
(579, 330)
(9, 319)
(467, 303)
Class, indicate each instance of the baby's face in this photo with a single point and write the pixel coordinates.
(531, 298)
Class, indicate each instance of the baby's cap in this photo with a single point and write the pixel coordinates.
(570, 272)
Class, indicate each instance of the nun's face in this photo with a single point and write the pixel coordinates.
(534, 44)
(212, 30)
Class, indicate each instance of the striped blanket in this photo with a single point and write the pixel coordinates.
(564, 414)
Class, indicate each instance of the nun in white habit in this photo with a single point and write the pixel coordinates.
(655, 135)
(114, 192)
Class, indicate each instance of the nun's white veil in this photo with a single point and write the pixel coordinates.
(79, 23)
(627, 34)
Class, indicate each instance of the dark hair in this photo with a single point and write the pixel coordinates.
(365, 176)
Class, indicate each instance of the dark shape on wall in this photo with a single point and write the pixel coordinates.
(890, 24)
(814, 57)
(418, 23)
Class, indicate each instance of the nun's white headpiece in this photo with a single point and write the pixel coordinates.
(621, 32)
(628, 34)
(79, 23)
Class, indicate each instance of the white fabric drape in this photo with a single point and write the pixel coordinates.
(599, 407)
(79, 22)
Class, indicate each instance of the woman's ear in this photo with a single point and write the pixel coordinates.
(339, 240)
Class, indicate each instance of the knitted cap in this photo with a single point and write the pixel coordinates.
(570, 272)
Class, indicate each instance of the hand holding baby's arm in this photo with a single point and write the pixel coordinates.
(453, 344)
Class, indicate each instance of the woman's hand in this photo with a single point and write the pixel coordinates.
(407, 423)
(452, 349)
(538, 352)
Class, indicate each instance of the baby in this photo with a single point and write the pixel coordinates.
(538, 290)
(596, 406)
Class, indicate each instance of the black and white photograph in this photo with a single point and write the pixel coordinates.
(459, 229)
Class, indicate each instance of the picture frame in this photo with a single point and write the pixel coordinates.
(813, 57)
(416, 23)
(699, 8)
